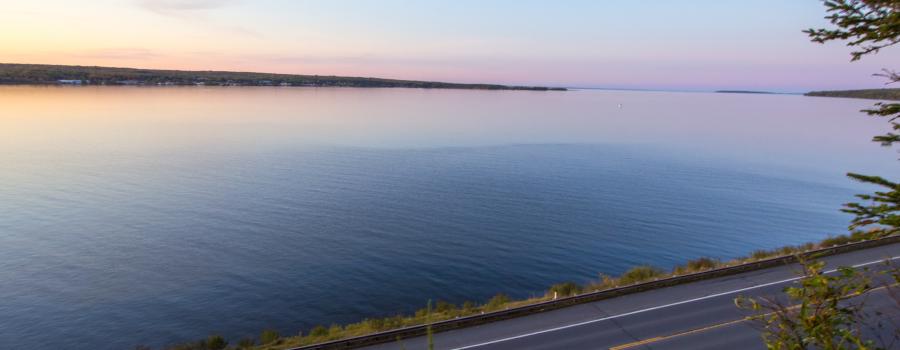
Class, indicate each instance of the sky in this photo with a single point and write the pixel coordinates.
(637, 44)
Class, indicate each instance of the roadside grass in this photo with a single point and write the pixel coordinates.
(442, 310)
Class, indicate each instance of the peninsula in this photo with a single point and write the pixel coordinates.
(874, 94)
(42, 74)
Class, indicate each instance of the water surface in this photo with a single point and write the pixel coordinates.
(156, 215)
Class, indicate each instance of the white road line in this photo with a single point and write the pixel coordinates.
(656, 307)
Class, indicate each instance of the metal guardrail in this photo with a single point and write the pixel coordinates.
(473, 320)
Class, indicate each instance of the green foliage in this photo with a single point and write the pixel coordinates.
(640, 274)
(869, 26)
(198, 345)
(884, 207)
(468, 307)
(760, 254)
(335, 330)
(873, 94)
(269, 336)
(835, 241)
(816, 315)
(443, 307)
(318, 331)
(245, 343)
(565, 289)
(49, 74)
(216, 342)
(701, 264)
(429, 332)
(697, 265)
(497, 302)
(213, 342)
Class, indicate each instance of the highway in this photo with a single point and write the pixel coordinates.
(698, 315)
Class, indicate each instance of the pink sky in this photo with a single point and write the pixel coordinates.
(702, 45)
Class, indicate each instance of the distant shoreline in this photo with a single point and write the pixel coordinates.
(872, 94)
(745, 92)
(42, 74)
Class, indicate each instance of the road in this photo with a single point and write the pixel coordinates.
(698, 315)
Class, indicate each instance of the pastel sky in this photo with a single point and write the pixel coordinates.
(685, 45)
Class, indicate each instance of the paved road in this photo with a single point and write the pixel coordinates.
(699, 315)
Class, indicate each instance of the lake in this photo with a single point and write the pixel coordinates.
(139, 215)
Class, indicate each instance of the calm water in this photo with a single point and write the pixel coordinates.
(155, 215)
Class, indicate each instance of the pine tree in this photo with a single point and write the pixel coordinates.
(869, 26)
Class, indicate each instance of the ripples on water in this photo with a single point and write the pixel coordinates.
(111, 238)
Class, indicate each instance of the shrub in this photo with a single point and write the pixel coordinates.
(565, 289)
(696, 265)
(836, 240)
(444, 307)
(375, 324)
(639, 274)
(245, 343)
(788, 250)
(318, 331)
(216, 342)
(468, 306)
(269, 336)
(605, 282)
(197, 345)
(497, 302)
(760, 254)
(335, 329)
(394, 322)
(701, 264)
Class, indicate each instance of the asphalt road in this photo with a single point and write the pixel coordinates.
(699, 315)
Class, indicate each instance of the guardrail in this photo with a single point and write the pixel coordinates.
(473, 320)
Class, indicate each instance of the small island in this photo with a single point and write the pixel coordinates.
(43, 74)
(873, 94)
(742, 92)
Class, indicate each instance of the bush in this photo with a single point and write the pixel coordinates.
(468, 306)
(605, 282)
(197, 345)
(697, 265)
(444, 307)
(394, 322)
(318, 331)
(335, 329)
(375, 324)
(497, 301)
(788, 250)
(565, 289)
(639, 274)
(216, 342)
(269, 336)
(703, 263)
(760, 254)
(245, 343)
(836, 240)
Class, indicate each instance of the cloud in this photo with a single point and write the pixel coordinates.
(195, 11)
(181, 7)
